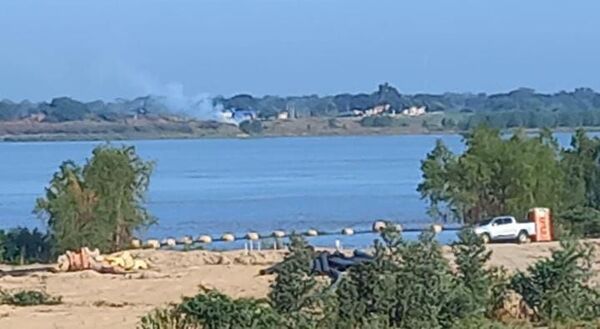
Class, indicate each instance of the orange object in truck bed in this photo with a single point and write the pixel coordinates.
(543, 224)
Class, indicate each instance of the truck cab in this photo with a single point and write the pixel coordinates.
(505, 228)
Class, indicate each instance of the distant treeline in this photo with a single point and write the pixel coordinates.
(519, 108)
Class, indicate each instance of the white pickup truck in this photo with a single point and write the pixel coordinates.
(505, 228)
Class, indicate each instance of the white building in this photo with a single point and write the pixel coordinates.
(414, 111)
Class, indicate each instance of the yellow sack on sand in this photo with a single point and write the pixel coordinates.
(125, 261)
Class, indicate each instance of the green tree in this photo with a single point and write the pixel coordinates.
(493, 176)
(100, 204)
(435, 185)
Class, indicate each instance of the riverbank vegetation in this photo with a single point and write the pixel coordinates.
(408, 284)
(500, 175)
(155, 116)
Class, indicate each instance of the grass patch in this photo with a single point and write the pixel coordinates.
(28, 298)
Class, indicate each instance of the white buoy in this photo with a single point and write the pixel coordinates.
(169, 242)
(228, 237)
(205, 239)
(136, 243)
(279, 234)
(437, 228)
(347, 231)
(252, 236)
(153, 243)
(312, 232)
(379, 225)
(187, 240)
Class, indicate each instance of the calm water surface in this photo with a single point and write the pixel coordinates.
(217, 185)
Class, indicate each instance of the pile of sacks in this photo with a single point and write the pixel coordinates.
(86, 259)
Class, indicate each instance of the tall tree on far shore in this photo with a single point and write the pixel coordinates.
(99, 205)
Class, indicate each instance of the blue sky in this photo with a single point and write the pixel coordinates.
(116, 48)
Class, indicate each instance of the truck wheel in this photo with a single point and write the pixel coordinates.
(485, 238)
(523, 237)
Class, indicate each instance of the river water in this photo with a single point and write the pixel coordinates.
(211, 186)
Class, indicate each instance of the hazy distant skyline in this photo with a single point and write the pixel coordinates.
(108, 49)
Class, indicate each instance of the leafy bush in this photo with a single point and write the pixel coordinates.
(213, 310)
(168, 318)
(252, 127)
(485, 323)
(557, 288)
(382, 121)
(408, 285)
(293, 282)
(28, 298)
(22, 246)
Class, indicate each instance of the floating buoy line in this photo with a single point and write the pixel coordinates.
(188, 240)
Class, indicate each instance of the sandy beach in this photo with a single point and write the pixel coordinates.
(92, 300)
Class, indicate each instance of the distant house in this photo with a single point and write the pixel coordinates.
(285, 115)
(414, 111)
(377, 110)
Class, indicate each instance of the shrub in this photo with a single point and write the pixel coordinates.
(213, 310)
(557, 288)
(168, 318)
(28, 298)
(485, 323)
(253, 127)
(381, 121)
(407, 285)
(484, 289)
(293, 283)
(22, 246)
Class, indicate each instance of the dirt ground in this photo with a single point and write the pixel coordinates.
(92, 300)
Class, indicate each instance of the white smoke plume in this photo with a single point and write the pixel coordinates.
(200, 106)
(171, 95)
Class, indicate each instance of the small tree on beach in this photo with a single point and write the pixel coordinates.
(98, 205)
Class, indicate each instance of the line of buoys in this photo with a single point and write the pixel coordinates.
(377, 226)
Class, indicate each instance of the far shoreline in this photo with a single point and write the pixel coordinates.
(375, 132)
